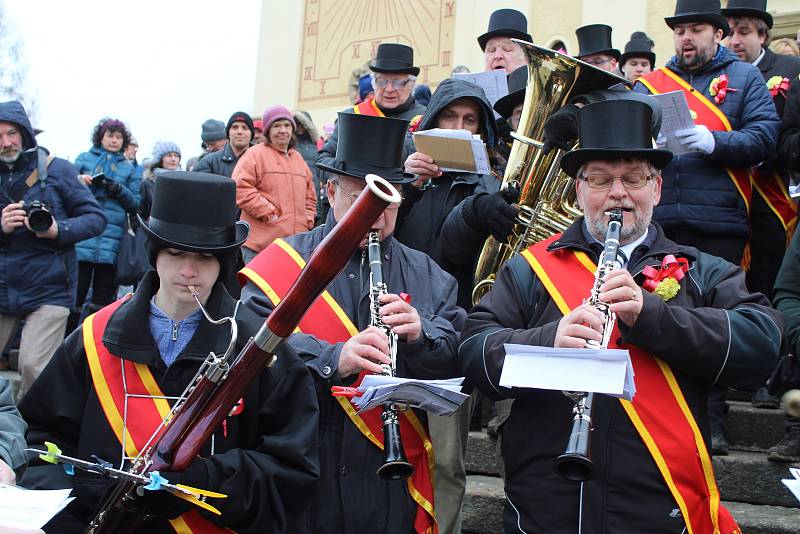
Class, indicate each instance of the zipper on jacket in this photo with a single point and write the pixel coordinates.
(174, 331)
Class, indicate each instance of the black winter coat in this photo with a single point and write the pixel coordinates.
(350, 498)
(788, 152)
(713, 331)
(221, 162)
(266, 461)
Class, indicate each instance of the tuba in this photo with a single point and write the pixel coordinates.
(547, 202)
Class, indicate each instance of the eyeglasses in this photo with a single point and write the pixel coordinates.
(381, 83)
(630, 180)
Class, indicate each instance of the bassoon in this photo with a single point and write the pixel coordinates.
(217, 388)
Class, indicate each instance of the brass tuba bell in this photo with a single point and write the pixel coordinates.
(547, 202)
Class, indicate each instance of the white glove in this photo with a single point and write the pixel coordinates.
(661, 140)
(699, 138)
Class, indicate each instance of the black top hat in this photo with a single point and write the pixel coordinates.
(517, 82)
(195, 211)
(394, 58)
(506, 23)
(595, 39)
(638, 48)
(611, 130)
(370, 144)
(748, 8)
(698, 11)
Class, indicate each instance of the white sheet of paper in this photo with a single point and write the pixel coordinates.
(494, 83)
(793, 483)
(23, 508)
(606, 371)
(675, 116)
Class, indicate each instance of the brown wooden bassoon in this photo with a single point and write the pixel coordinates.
(214, 394)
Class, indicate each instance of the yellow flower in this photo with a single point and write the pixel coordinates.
(712, 89)
(775, 80)
(667, 289)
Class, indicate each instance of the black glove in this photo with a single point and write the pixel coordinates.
(495, 212)
(114, 189)
(561, 129)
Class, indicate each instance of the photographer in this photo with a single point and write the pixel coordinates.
(38, 266)
(111, 179)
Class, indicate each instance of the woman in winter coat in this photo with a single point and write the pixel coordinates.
(274, 186)
(167, 156)
(111, 178)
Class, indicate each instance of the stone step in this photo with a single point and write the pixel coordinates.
(15, 379)
(753, 429)
(742, 477)
(484, 501)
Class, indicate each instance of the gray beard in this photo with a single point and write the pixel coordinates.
(10, 159)
(599, 228)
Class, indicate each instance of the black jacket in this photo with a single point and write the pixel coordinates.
(266, 460)
(221, 162)
(421, 221)
(350, 498)
(788, 106)
(713, 331)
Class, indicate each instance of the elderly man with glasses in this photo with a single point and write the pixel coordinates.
(340, 345)
(393, 79)
(686, 318)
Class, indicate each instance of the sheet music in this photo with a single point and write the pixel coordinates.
(494, 83)
(675, 115)
(30, 509)
(439, 397)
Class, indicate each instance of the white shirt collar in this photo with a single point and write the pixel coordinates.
(628, 249)
(759, 58)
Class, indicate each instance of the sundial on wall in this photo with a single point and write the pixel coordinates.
(341, 35)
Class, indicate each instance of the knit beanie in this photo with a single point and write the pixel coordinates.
(364, 86)
(240, 116)
(163, 148)
(274, 113)
(258, 124)
(213, 130)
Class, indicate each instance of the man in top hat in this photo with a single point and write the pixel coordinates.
(707, 189)
(638, 58)
(339, 345)
(239, 132)
(595, 48)
(750, 25)
(110, 377)
(499, 51)
(708, 192)
(652, 467)
(773, 215)
(393, 78)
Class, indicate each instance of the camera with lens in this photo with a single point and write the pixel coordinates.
(39, 217)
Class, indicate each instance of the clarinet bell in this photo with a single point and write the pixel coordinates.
(395, 466)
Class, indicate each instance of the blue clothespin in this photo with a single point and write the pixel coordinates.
(69, 469)
(102, 463)
(156, 482)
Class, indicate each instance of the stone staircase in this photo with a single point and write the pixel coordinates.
(750, 486)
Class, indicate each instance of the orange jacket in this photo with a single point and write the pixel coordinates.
(275, 192)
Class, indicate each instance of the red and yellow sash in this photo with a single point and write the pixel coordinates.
(370, 107)
(658, 412)
(274, 271)
(110, 376)
(769, 185)
(664, 80)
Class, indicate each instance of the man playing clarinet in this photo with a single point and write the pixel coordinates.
(340, 342)
(686, 318)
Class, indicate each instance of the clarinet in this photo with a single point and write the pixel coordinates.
(576, 464)
(395, 465)
(216, 389)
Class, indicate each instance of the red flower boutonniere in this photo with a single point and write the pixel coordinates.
(719, 88)
(778, 85)
(664, 280)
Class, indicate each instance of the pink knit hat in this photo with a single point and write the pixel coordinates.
(274, 113)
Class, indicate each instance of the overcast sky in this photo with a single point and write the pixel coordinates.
(161, 66)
